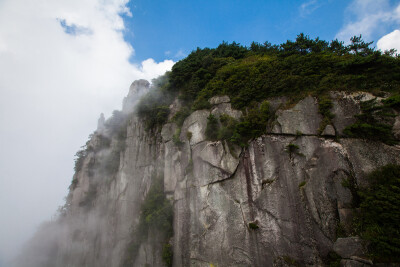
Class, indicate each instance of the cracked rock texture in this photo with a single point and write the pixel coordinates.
(296, 199)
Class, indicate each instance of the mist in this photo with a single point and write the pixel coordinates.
(83, 222)
(55, 82)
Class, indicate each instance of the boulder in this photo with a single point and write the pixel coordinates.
(329, 131)
(302, 118)
(226, 108)
(219, 100)
(196, 123)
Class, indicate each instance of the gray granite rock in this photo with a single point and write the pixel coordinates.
(396, 128)
(217, 189)
(225, 108)
(302, 118)
(349, 246)
(329, 131)
(352, 263)
(345, 107)
(168, 131)
(219, 100)
(196, 124)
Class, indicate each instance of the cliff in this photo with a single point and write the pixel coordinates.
(280, 200)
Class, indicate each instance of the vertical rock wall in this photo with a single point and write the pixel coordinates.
(263, 205)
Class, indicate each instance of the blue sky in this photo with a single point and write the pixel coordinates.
(169, 29)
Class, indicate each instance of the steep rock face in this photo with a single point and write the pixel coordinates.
(297, 200)
(264, 205)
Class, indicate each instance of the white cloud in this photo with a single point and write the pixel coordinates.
(309, 7)
(54, 83)
(389, 41)
(371, 18)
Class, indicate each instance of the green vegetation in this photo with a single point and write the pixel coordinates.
(292, 149)
(324, 107)
(153, 108)
(228, 126)
(293, 69)
(302, 184)
(253, 226)
(156, 215)
(176, 137)
(212, 128)
(107, 149)
(252, 124)
(290, 261)
(180, 116)
(250, 75)
(375, 121)
(167, 255)
(189, 135)
(340, 230)
(333, 259)
(379, 217)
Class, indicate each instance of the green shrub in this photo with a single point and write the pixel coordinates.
(228, 125)
(153, 107)
(252, 125)
(379, 217)
(156, 213)
(333, 259)
(176, 138)
(324, 107)
(79, 159)
(340, 231)
(302, 184)
(189, 135)
(180, 116)
(212, 128)
(374, 122)
(167, 255)
(157, 209)
(290, 261)
(392, 102)
(376, 132)
(253, 226)
(74, 183)
(292, 149)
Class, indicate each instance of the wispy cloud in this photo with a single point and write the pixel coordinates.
(371, 18)
(309, 7)
(180, 54)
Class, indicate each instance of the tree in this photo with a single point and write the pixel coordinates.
(359, 47)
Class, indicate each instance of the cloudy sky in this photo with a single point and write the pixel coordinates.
(62, 63)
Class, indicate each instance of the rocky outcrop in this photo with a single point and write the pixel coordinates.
(262, 205)
(303, 118)
(137, 89)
